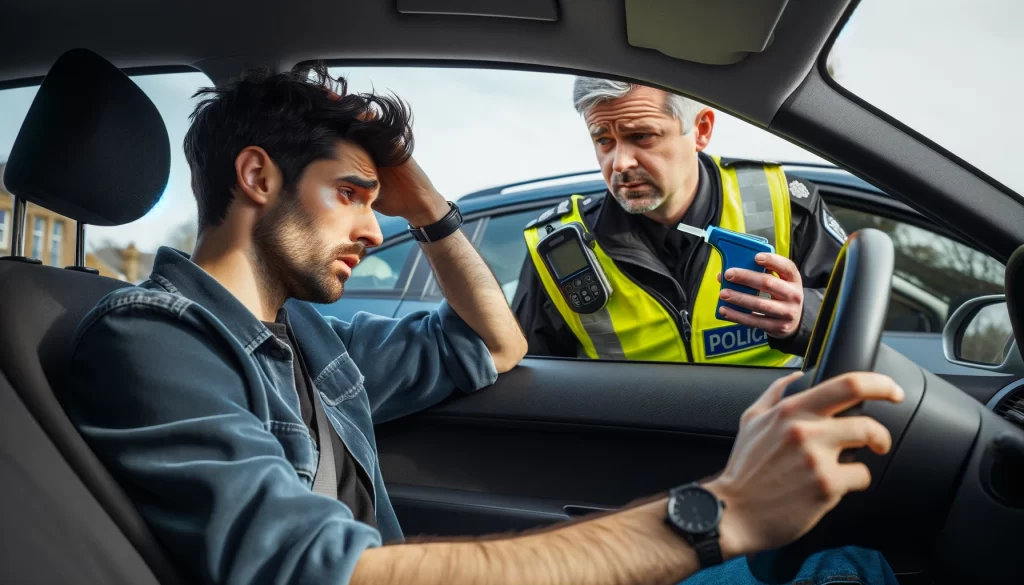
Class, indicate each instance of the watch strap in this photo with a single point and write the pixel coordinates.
(446, 226)
(709, 551)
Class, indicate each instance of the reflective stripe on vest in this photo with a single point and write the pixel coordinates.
(636, 326)
(747, 190)
(632, 326)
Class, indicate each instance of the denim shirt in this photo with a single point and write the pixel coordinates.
(190, 402)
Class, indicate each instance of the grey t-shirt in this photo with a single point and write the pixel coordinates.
(353, 483)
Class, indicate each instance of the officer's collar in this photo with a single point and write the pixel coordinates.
(619, 228)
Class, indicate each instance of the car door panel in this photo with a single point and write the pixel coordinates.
(553, 433)
(557, 433)
(448, 512)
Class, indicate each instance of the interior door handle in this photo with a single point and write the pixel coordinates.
(575, 511)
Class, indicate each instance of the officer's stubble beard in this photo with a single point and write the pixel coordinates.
(291, 259)
(640, 201)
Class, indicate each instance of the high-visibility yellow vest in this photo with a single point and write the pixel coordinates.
(634, 325)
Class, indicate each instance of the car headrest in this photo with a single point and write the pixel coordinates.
(93, 147)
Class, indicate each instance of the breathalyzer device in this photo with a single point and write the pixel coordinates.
(738, 251)
(574, 267)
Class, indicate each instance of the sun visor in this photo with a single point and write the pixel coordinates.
(715, 33)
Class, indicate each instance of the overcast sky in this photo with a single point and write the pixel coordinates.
(951, 75)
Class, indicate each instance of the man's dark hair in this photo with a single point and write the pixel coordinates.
(297, 117)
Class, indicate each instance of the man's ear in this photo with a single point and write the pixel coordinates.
(703, 126)
(257, 178)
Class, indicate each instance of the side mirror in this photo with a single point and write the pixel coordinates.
(979, 335)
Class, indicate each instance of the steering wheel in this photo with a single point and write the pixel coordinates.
(845, 338)
(850, 322)
(949, 495)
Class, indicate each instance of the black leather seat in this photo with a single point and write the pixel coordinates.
(94, 148)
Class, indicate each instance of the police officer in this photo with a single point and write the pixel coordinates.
(666, 284)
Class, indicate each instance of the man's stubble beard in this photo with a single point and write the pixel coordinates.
(291, 263)
(637, 202)
(634, 207)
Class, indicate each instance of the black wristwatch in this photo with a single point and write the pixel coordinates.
(695, 512)
(446, 226)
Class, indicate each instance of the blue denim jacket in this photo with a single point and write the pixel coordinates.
(190, 402)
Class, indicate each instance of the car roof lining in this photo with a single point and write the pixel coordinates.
(223, 38)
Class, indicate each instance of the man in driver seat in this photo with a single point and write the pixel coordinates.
(240, 422)
(664, 304)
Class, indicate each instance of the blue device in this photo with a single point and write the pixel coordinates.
(738, 251)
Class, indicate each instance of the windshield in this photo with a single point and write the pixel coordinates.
(949, 69)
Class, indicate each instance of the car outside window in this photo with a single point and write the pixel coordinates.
(381, 273)
(504, 248)
(934, 274)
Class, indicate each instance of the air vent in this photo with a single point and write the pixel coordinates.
(1011, 407)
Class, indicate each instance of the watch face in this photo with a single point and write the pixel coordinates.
(694, 510)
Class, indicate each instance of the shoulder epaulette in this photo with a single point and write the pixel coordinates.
(563, 208)
(733, 162)
(802, 192)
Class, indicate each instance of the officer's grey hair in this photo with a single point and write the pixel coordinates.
(588, 92)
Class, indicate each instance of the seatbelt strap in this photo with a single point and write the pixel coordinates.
(325, 482)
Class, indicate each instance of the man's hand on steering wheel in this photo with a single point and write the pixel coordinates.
(784, 472)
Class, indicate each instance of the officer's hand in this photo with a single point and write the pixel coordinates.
(780, 315)
(784, 472)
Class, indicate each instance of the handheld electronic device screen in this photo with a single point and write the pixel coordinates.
(574, 268)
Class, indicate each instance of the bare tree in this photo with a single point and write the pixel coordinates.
(948, 269)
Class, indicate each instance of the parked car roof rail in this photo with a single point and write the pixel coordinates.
(532, 183)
